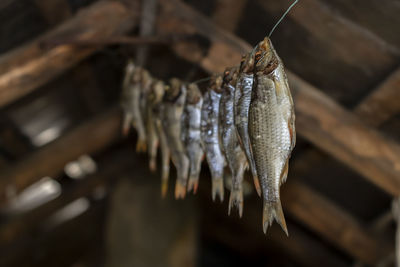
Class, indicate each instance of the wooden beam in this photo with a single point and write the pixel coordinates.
(111, 168)
(50, 160)
(333, 223)
(227, 13)
(245, 235)
(28, 67)
(383, 103)
(319, 119)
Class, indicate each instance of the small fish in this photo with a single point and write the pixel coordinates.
(241, 110)
(271, 129)
(154, 99)
(234, 154)
(145, 86)
(191, 134)
(158, 113)
(127, 96)
(210, 136)
(173, 102)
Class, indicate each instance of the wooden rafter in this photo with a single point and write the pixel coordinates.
(50, 160)
(28, 67)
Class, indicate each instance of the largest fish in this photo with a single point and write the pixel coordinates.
(271, 129)
(210, 135)
(173, 104)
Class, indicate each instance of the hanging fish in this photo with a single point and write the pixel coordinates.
(271, 129)
(126, 97)
(173, 104)
(154, 99)
(158, 114)
(241, 110)
(191, 134)
(210, 136)
(234, 154)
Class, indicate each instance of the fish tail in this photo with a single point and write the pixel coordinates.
(180, 189)
(217, 188)
(153, 164)
(273, 210)
(193, 183)
(141, 145)
(236, 199)
(164, 187)
(257, 185)
(126, 124)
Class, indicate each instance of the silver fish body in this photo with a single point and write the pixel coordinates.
(127, 97)
(154, 99)
(234, 154)
(242, 98)
(271, 118)
(158, 112)
(173, 105)
(191, 137)
(210, 136)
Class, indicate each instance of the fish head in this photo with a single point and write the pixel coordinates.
(230, 75)
(137, 75)
(193, 94)
(158, 90)
(147, 80)
(174, 89)
(247, 63)
(130, 67)
(216, 83)
(266, 59)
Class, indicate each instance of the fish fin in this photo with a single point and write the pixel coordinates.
(257, 185)
(236, 199)
(141, 146)
(180, 190)
(164, 187)
(285, 172)
(217, 188)
(193, 183)
(271, 211)
(126, 124)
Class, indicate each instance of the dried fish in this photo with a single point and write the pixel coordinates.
(241, 109)
(154, 99)
(209, 136)
(271, 129)
(126, 97)
(191, 134)
(158, 112)
(173, 102)
(234, 153)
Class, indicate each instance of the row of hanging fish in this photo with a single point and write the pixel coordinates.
(244, 120)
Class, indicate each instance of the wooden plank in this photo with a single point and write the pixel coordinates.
(112, 167)
(28, 67)
(54, 11)
(319, 119)
(382, 103)
(50, 160)
(227, 13)
(333, 223)
(246, 237)
(377, 16)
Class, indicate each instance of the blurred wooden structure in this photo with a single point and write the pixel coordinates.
(344, 75)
